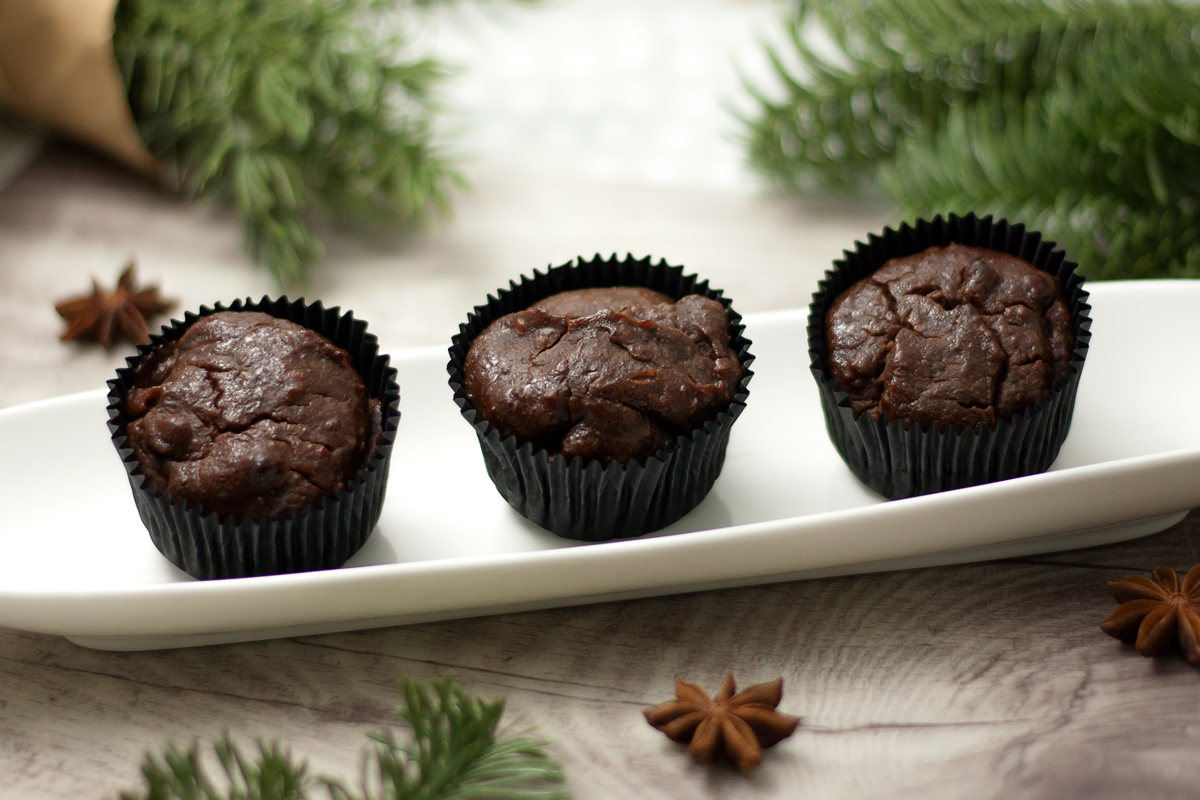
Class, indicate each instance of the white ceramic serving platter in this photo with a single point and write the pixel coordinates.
(75, 559)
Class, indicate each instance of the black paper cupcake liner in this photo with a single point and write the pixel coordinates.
(592, 501)
(324, 534)
(904, 460)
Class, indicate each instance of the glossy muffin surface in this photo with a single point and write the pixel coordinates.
(250, 415)
(952, 335)
(613, 374)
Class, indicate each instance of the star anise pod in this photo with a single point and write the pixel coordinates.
(1157, 615)
(740, 724)
(109, 317)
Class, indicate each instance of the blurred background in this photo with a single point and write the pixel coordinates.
(582, 126)
(403, 158)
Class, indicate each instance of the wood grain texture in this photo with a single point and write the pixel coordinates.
(988, 680)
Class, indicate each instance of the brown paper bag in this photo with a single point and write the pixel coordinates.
(57, 70)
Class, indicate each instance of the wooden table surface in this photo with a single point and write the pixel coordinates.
(988, 680)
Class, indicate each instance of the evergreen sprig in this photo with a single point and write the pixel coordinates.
(179, 774)
(285, 108)
(454, 754)
(1080, 118)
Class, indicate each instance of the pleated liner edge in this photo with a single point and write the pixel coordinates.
(593, 501)
(904, 462)
(321, 536)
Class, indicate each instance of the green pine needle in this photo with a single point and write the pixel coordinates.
(283, 109)
(180, 775)
(454, 754)
(1080, 118)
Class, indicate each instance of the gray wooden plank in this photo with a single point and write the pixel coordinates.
(992, 679)
(983, 680)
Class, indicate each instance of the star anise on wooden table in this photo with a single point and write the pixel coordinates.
(109, 317)
(1157, 615)
(739, 724)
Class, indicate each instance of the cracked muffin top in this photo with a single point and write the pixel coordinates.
(250, 415)
(613, 374)
(953, 335)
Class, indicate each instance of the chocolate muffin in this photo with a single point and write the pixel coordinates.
(612, 373)
(953, 335)
(603, 392)
(250, 415)
(257, 436)
(948, 354)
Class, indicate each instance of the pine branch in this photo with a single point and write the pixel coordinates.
(454, 754)
(284, 108)
(1079, 118)
(1105, 213)
(180, 775)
